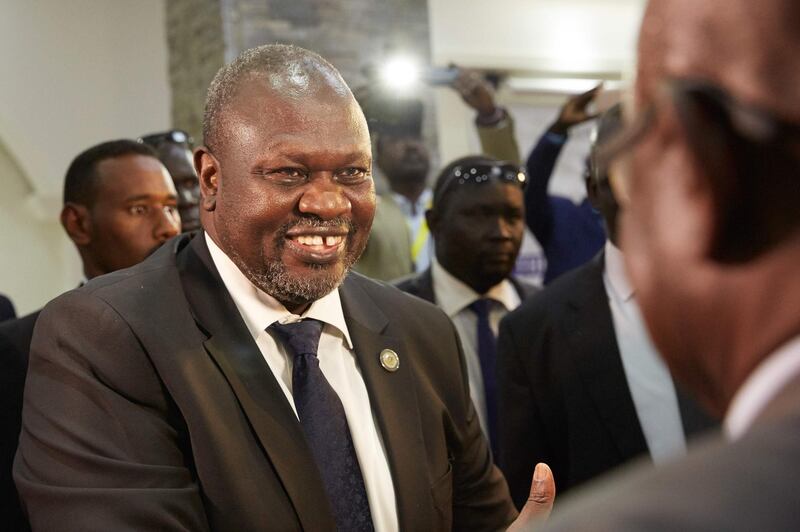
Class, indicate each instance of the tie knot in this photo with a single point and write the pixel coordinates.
(480, 307)
(301, 337)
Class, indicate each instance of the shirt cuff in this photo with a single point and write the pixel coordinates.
(555, 138)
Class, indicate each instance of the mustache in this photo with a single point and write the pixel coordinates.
(315, 222)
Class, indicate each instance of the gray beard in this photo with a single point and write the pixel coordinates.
(293, 289)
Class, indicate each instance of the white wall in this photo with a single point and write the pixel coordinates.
(537, 39)
(75, 73)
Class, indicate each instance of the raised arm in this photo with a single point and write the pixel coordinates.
(494, 123)
(542, 160)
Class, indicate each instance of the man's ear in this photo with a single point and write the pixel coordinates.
(208, 172)
(77, 223)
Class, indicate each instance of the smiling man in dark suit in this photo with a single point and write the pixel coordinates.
(581, 385)
(240, 379)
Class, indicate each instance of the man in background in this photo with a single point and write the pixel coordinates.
(7, 311)
(119, 206)
(174, 149)
(582, 387)
(476, 219)
(400, 240)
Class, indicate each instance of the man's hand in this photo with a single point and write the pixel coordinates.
(540, 500)
(575, 111)
(476, 92)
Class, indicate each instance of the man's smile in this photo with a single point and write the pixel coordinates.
(318, 245)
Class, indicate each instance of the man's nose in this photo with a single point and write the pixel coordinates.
(501, 229)
(168, 224)
(324, 197)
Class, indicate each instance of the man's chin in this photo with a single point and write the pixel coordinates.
(297, 286)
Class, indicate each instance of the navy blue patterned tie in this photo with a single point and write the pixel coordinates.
(325, 426)
(487, 354)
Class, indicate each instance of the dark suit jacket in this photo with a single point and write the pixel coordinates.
(7, 311)
(750, 484)
(15, 343)
(421, 285)
(148, 406)
(564, 398)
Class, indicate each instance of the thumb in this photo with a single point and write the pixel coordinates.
(540, 500)
(543, 492)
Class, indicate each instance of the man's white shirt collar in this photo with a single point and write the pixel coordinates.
(761, 386)
(260, 310)
(615, 270)
(453, 295)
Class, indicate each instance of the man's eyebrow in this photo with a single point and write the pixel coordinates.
(144, 197)
(299, 155)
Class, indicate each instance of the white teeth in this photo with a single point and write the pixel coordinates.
(318, 240)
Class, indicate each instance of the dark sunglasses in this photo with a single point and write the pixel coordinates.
(699, 103)
(480, 173)
(174, 136)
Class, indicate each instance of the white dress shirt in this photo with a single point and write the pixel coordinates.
(337, 362)
(455, 297)
(414, 212)
(648, 377)
(761, 386)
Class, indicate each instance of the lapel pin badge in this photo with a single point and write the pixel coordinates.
(389, 360)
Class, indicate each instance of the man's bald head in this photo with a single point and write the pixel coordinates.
(748, 47)
(288, 70)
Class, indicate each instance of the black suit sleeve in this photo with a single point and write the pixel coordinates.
(480, 501)
(522, 441)
(540, 165)
(100, 447)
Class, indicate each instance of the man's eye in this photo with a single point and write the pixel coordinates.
(138, 210)
(285, 176)
(291, 172)
(352, 175)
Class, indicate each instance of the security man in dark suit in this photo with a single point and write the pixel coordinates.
(477, 220)
(581, 387)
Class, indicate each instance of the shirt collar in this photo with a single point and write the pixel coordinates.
(260, 310)
(419, 207)
(763, 384)
(453, 295)
(615, 270)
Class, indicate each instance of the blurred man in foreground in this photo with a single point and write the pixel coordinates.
(711, 234)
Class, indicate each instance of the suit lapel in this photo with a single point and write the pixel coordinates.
(591, 331)
(393, 402)
(424, 286)
(694, 419)
(236, 354)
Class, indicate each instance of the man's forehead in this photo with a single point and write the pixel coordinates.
(133, 175)
(752, 49)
